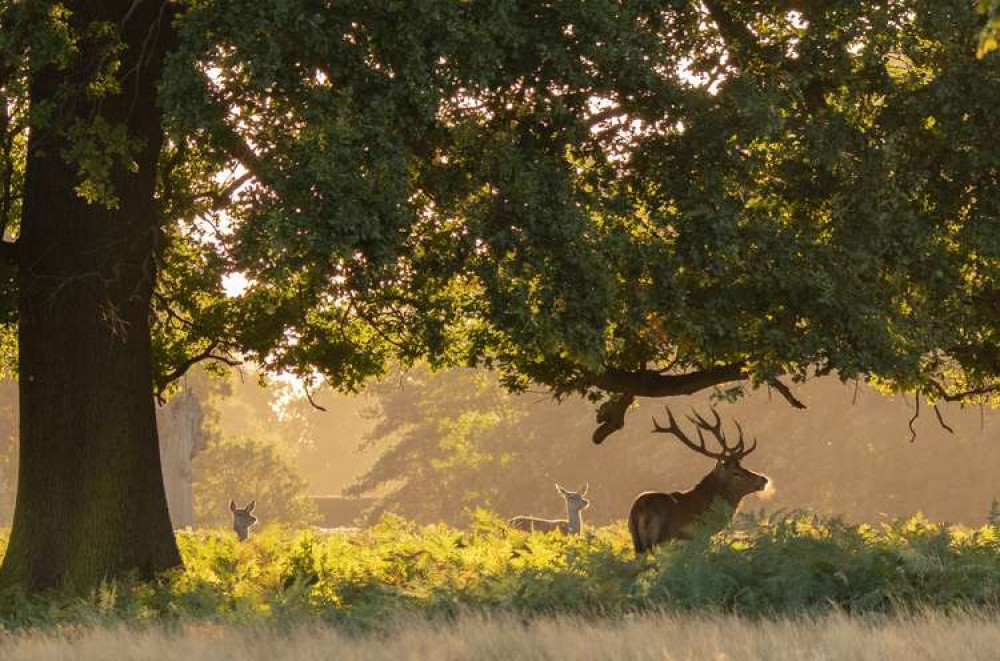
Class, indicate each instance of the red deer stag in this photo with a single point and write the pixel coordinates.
(656, 517)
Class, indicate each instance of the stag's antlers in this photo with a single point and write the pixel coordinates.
(729, 452)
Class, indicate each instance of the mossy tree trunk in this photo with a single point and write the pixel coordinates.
(90, 501)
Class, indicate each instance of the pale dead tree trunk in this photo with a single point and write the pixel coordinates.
(181, 438)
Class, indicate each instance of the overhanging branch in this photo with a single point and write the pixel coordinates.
(648, 383)
(626, 386)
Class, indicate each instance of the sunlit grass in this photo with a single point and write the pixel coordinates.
(501, 637)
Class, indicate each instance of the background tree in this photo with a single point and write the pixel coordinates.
(629, 198)
(245, 469)
(322, 444)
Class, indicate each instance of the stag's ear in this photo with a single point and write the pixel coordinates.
(250, 506)
(232, 506)
(560, 489)
(583, 491)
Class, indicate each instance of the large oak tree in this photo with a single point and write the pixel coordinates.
(619, 199)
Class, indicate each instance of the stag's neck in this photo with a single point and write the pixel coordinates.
(574, 522)
(710, 489)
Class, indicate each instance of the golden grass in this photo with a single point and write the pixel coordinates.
(661, 637)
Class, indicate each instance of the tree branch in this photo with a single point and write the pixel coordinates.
(959, 396)
(786, 392)
(311, 401)
(626, 386)
(739, 40)
(649, 383)
(183, 367)
(916, 414)
(242, 152)
(941, 421)
(741, 43)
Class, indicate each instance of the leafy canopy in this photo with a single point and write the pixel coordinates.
(590, 195)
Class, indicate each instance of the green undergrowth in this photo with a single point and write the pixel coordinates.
(785, 565)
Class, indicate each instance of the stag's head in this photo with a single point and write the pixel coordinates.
(243, 519)
(575, 500)
(732, 479)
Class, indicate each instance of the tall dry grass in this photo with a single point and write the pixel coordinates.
(503, 637)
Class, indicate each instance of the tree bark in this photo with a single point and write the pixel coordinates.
(90, 502)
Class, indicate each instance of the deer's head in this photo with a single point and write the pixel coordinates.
(730, 478)
(575, 500)
(243, 519)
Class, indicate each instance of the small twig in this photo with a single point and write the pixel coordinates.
(857, 383)
(940, 418)
(310, 399)
(916, 414)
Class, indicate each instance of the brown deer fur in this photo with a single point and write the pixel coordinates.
(657, 517)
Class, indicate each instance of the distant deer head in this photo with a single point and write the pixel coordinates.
(243, 519)
(656, 517)
(571, 525)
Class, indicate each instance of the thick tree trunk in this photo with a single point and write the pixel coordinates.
(90, 501)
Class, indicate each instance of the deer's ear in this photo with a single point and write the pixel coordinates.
(232, 506)
(250, 506)
(586, 487)
(560, 489)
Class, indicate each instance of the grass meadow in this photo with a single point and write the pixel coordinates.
(778, 587)
(663, 637)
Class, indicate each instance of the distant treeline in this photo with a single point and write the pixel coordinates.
(446, 444)
(454, 441)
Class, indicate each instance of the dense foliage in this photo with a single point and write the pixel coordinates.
(581, 195)
(574, 192)
(788, 565)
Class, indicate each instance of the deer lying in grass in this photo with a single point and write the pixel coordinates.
(656, 517)
(243, 519)
(571, 525)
